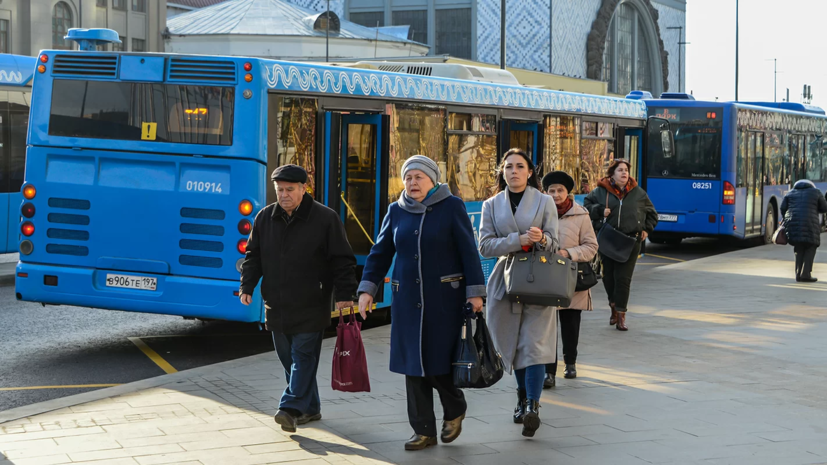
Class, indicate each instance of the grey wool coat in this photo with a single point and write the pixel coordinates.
(525, 335)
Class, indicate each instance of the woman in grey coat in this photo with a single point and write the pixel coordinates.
(516, 219)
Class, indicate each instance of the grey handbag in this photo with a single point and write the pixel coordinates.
(540, 278)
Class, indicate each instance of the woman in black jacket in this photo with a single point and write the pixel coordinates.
(625, 206)
(800, 210)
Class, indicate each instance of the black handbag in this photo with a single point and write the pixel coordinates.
(540, 278)
(491, 362)
(613, 243)
(586, 277)
(478, 365)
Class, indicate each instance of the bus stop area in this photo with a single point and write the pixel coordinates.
(724, 364)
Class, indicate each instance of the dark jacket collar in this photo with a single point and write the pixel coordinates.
(804, 184)
(302, 212)
(412, 206)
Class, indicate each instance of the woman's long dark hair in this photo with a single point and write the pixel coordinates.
(533, 180)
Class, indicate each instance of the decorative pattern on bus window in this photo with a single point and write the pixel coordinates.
(756, 119)
(562, 152)
(415, 130)
(776, 155)
(472, 156)
(296, 120)
(320, 79)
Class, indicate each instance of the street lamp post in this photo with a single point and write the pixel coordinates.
(327, 34)
(680, 55)
(502, 34)
(736, 50)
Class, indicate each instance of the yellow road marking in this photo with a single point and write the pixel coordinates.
(665, 258)
(163, 364)
(582, 408)
(69, 386)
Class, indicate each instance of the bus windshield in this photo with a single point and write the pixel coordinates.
(697, 153)
(141, 111)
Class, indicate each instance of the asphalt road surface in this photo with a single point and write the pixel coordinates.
(55, 351)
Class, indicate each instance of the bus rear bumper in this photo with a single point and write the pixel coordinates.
(175, 295)
(692, 224)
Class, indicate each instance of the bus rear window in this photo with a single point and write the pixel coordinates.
(697, 153)
(142, 111)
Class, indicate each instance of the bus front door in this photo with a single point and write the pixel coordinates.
(524, 136)
(754, 183)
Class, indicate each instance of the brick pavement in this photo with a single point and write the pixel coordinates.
(723, 364)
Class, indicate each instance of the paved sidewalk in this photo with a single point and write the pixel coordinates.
(724, 364)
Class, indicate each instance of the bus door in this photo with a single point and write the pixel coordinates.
(799, 165)
(630, 147)
(359, 184)
(525, 136)
(754, 183)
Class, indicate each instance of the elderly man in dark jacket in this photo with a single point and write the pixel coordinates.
(802, 224)
(300, 249)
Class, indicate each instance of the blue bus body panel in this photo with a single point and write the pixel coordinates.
(16, 70)
(692, 201)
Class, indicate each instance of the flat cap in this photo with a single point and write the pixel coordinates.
(289, 173)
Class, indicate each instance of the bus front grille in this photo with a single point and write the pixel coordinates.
(97, 66)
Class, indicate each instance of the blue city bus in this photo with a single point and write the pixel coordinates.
(144, 170)
(15, 97)
(732, 164)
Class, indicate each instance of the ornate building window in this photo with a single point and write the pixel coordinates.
(627, 64)
(61, 23)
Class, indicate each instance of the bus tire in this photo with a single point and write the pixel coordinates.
(769, 228)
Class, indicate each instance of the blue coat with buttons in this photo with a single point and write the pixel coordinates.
(437, 269)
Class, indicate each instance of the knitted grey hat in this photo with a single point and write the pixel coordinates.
(424, 164)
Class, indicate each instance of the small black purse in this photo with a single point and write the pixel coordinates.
(586, 277)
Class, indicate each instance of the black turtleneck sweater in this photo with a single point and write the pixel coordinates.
(515, 198)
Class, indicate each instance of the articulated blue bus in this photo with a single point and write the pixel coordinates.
(732, 165)
(145, 170)
(15, 97)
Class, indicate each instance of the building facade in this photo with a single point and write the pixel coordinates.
(630, 44)
(29, 26)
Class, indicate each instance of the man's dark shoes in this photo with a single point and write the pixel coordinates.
(305, 418)
(807, 280)
(287, 421)
(531, 420)
(451, 429)
(419, 442)
(549, 382)
(571, 371)
(519, 411)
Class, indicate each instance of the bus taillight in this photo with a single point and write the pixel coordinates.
(729, 193)
(242, 246)
(244, 227)
(27, 229)
(29, 192)
(245, 207)
(28, 210)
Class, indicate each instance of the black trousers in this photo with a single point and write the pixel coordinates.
(617, 278)
(421, 401)
(805, 254)
(570, 333)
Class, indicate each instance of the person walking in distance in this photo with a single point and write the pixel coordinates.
(437, 270)
(619, 201)
(578, 243)
(800, 210)
(519, 218)
(300, 249)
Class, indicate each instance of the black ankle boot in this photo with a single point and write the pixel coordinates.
(549, 382)
(531, 420)
(519, 411)
(571, 371)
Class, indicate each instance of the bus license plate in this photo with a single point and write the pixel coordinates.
(142, 283)
(668, 218)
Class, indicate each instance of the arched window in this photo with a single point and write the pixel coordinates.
(627, 64)
(61, 22)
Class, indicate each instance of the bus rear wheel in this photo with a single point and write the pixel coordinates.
(769, 229)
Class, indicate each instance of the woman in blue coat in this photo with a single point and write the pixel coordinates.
(437, 271)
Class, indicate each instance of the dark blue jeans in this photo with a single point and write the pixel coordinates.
(299, 354)
(531, 379)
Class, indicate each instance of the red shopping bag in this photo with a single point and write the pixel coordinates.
(350, 365)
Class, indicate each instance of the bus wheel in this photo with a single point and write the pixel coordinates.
(769, 229)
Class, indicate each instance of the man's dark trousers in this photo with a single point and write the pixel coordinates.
(299, 354)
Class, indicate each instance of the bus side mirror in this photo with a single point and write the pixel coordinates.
(667, 141)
